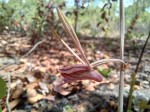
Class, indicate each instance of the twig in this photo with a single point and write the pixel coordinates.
(122, 32)
(33, 48)
(17, 60)
(8, 92)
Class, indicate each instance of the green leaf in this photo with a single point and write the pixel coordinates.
(2, 88)
(0, 109)
(104, 72)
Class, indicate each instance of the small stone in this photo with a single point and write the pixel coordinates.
(103, 87)
(64, 101)
(147, 68)
(73, 98)
(28, 107)
(95, 100)
(146, 86)
(111, 86)
(145, 82)
(141, 95)
(3, 42)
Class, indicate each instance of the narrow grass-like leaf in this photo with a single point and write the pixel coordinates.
(2, 88)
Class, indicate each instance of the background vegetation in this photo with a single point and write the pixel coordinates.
(89, 17)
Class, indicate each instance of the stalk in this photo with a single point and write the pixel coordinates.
(122, 32)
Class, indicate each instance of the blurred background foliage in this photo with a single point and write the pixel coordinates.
(92, 18)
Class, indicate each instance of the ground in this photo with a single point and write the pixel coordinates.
(33, 74)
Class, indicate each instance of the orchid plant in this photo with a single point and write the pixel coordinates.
(83, 71)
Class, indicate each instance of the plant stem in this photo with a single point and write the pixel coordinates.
(76, 14)
(122, 32)
(129, 102)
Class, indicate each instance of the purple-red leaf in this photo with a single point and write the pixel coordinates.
(77, 72)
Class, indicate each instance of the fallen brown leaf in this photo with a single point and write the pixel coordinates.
(33, 96)
(36, 98)
(44, 87)
(18, 91)
(12, 104)
(32, 85)
(50, 97)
